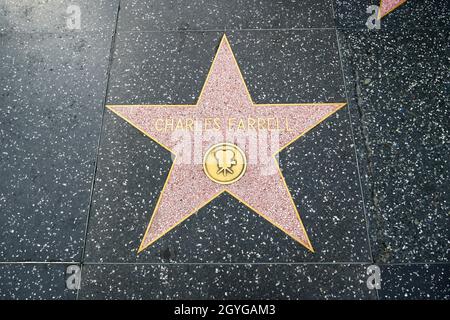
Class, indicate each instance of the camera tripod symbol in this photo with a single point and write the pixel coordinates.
(225, 161)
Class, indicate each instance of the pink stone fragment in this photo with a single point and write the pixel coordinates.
(387, 6)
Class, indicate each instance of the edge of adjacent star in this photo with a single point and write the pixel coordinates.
(390, 10)
(111, 107)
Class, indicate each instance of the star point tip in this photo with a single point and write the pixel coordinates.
(307, 245)
(225, 39)
(112, 107)
(141, 248)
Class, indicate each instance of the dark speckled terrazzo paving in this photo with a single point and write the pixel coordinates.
(171, 15)
(31, 16)
(399, 95)
(229, 281)
(78, 184)
(352, 14)
(52, 89)
(415, 282)
(34, 281)
(51, 106)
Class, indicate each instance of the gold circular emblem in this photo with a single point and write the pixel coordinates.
(224, 163)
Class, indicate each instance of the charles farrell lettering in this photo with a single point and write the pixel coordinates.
(216, 124)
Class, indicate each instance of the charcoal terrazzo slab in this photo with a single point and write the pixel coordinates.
(52, 93)
(278, 14)
(207, 281)
(410, 15)
(172, 15)
(160, 67)
(225, 230)
(38, 281)
(32, 16)
(398, 87)
(415, 282)
(290, 66)
(161, 15)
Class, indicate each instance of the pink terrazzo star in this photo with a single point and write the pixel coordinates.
(187, 188)
(387, 6)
